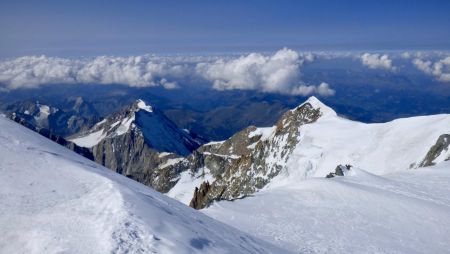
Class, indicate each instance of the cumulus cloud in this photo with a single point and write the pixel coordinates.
(406, 55)
(275, 73)
(279, 73)
(377, 61)
(439, 69)
(323, 89)
(140, 71)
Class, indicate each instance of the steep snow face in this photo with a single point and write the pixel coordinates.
(163, 135)
(53, 200)
(405, 212)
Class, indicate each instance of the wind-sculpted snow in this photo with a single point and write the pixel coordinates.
(405, 212)
(55, 201)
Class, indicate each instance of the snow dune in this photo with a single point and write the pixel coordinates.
(55, 201)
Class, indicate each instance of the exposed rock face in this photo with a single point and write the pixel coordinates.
(439, 149)
(340, 170)
(248, 160)
(201, 198)
(130, 155)
(141, 143)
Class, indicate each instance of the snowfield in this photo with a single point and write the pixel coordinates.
(55, 201)
(404, 212)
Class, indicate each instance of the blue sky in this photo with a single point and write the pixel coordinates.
(84, 28)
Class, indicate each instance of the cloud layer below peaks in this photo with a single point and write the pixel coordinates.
(276, 73)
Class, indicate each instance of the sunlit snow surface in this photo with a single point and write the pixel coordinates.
(404, 212)
(55, 201)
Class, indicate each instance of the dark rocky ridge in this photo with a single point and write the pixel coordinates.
(441, 145)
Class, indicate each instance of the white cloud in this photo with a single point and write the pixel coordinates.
(275, 73)
(140, 71)
(279, 73)
(406, 55)
(425, 66)
(323, 89)
(168, 85)
(439, 69)
(377, 61)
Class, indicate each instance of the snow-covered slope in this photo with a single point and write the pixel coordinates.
(55, 201)
(404, 212)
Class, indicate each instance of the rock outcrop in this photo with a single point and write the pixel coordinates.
(200, 198)
(248, 160)
(440, 148)
(340, 170)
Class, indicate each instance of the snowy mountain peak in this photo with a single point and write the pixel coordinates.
(141, 120)
(317, 104)
(144, 106)
(115, 125)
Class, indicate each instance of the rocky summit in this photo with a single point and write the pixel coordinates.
(248, 160)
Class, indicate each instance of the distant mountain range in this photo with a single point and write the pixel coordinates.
(359, 96)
